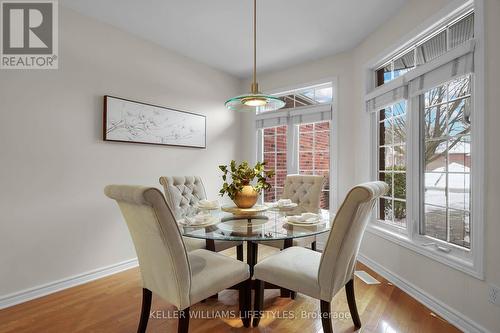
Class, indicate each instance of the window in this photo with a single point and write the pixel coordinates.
(318, 94)
(296, 140)
(314, 154)
(274, 154)
(446, 158)
(428, 48)
(425, 146)
(392, 163)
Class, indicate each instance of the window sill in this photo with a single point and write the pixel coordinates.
(465, 265)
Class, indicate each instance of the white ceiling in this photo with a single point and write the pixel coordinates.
(219, 32)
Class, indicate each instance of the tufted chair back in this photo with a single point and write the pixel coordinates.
(182, 193)
(163, 260)
(305, 191)
(339, 257)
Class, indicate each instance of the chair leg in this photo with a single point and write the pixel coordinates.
(248, 302)
(326, 320)
(146, 307)
(351, 300)
(285, 293)
(245, 299)
(183, 321)
(259, 302)
(239, 252)
(313, 246)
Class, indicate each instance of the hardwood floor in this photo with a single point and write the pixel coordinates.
(113, 304)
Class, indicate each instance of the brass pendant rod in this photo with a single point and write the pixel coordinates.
(254, 84)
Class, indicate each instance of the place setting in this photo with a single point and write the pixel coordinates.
(202, 219)
(207, 205)
(304, 220)
(282, 205)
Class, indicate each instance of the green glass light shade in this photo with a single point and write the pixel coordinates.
(254, 103)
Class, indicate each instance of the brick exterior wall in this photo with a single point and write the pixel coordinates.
(314, 156)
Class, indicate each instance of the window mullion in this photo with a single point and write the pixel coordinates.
(292, 146)
(447, 185)
(276, 159)
(313, 149)
(413, 167)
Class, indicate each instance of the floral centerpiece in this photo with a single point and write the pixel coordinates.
(240, 188)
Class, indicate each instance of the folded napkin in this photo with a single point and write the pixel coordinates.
(284, 202)
(280, 203)
(208, 203)
(303, 218)
(310, 216)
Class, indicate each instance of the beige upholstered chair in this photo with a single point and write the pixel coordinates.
(322, 275)
(182, 194)
(180, 277)
(305, 191)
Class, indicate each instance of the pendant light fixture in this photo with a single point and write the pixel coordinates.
(255, 101)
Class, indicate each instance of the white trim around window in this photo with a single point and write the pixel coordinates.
(468, 261)
(307, 114)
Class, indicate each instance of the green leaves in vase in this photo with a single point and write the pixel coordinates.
(241, 175)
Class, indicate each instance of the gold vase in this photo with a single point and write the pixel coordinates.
(247, 197)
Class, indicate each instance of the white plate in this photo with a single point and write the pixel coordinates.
(275, 205)
(208, 222)
(292, 205)
(302, 224)
(207, 208)
(284, 208)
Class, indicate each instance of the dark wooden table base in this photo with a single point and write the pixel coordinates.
(252, 254)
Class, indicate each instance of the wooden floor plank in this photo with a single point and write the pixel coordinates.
(112, 304)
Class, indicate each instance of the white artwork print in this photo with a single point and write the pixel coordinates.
(136, 122)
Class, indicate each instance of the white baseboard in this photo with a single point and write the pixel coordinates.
(449, 314)
(49, 288)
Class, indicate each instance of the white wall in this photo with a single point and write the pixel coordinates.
(56, 221)
(461, 293)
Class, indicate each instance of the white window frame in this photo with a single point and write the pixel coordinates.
(293, 134)
(468, 261)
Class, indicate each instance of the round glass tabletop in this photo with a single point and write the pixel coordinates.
(267, 226)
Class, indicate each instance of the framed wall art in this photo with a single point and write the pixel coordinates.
(137, 122)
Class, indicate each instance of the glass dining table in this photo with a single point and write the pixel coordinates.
(265, 226)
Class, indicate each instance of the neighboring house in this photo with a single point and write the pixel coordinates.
(452, 185)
